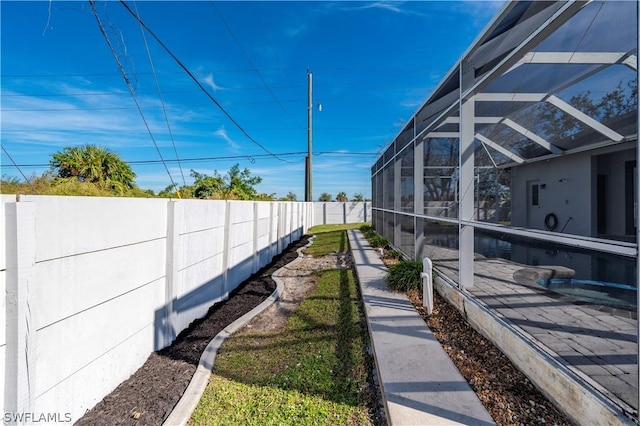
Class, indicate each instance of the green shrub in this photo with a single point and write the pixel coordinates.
(366, 228)
(368, 231)
(405, 275)
(392, 254)
(378, 241)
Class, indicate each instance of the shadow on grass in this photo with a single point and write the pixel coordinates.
(320, 352)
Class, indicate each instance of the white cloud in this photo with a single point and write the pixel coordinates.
(386, 5)
(222, 134)
(293, 32)
(391, 6)
(400, 122)
(481, 10)
(45, 116)
(209, 81)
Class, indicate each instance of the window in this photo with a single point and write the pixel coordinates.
(534, 195)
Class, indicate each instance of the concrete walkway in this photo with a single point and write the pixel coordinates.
(420, 384)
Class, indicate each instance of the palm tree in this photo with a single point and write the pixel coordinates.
(357, 197)
(91, 163)
(342, 197)
(325, 196)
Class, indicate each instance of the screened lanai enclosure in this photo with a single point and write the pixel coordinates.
(518, 178)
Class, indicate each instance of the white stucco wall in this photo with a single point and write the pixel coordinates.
(570, 191)
(567, 193)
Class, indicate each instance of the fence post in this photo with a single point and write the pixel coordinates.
(299, 226)
(292, 223)
(168, 329)
(344, 212)
(279, 228)
(20, 361)
(225, 250)
(324, 213)
(255, 260)
(271, 208)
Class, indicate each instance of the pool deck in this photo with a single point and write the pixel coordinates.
(588, 354)
(600, 344)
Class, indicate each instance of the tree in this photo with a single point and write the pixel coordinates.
(205, 186)
(342, 197)
(241, 184)
(93, 164)
(266, 197)
(175, 191)
(325, 196)
(236, 184)
(290, 197)
(357, 197)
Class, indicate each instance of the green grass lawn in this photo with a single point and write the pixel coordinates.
(312, 372)
(330, 238)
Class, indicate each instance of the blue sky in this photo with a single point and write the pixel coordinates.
(373, 65)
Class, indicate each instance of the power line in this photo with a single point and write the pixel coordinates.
(128, 83)
(14, 163)
(278, 62)
(79, 94)
(232, 70)
(105, 108)
(197, 82)
(164, 109)
(222, 158)
(246, 55)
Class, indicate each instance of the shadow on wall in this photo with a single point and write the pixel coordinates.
(181, 314)
(95, 285)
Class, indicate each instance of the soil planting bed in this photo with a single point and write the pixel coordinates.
(503, 389)
(149, 395)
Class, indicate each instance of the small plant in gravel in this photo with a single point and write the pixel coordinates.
(392, 254)
(376, 241)
(405, 275)
(368, 231)
(367, 227)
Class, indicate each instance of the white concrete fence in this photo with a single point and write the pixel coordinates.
(94, 285)
(337, 212)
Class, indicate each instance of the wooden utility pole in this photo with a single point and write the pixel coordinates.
(308, 184)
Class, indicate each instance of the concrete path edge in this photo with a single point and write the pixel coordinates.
(183, 410)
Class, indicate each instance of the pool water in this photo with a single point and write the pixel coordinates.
(600, 278)
(596, 292)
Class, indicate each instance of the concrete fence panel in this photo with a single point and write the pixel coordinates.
(241, 230)
(327, 213)
(94, 285)
(197, 264)
(262, 249)
(3, 290)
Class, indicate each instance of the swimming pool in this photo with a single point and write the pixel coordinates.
(594, 292)
(600, 278)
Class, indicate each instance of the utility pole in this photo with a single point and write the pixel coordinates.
(308, 184)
